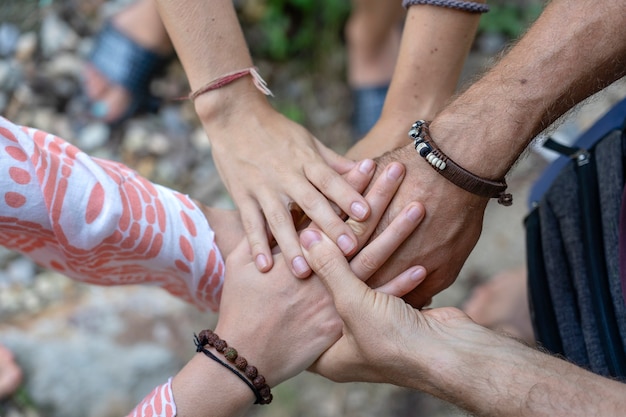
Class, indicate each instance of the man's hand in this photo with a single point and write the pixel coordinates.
(445, 237)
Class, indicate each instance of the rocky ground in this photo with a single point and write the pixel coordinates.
(95, 352)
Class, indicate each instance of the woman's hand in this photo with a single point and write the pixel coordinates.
(268, 162)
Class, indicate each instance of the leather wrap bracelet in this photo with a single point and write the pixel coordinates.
(427, 149)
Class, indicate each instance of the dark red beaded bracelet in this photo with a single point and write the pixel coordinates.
(250, 376)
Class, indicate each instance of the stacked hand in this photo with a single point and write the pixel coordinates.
(268, 162)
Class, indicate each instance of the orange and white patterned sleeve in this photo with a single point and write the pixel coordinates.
(159, 403)
(99, 222)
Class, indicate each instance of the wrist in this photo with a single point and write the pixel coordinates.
(222, 107)
(418, 170)
(469, 365)
(473, 145)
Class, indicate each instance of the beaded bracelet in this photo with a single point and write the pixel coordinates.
(466, 6)
(252, 378)
(226, 79)
(427, 149)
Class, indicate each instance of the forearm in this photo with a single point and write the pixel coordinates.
(98, 221)
(547, 72)
(209, 42)
(435, 44)
(493, 375)
(205, 388)
(207, 37)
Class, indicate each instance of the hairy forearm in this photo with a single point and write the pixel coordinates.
(493, 375)
(573, 50)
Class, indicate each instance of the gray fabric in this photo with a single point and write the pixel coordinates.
(562, 243)
(564, 253)
(611, 175)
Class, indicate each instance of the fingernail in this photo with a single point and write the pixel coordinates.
(99, 109)
(261, 262)
(309, 237)
(345, 244)
(300, 266)
(395, 171)
(367, 165)
(359, 210)
(414, 213)
(418, 273)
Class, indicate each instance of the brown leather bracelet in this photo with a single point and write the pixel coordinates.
(427, 149)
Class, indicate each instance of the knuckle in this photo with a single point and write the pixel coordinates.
(368, 262)
(325, 264)
(278, 217)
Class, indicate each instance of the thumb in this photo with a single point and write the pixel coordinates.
(332, 268)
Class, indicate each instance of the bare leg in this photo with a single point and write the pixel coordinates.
(141, 23)
(373, 33)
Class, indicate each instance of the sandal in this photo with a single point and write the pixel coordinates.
(125, 63)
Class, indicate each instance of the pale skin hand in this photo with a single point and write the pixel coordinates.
(444, 353)
(286, 323)
(265, 160)
(229, 230)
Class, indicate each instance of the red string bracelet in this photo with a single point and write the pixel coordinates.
(226, 79)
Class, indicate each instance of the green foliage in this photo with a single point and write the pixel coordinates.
(295, 28)
(292, 111)
(509, 19)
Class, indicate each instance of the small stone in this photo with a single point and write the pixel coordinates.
(26, 47)
(21, 271)
(159, 144)
(57, 36)
(9, 35)
(93, 136)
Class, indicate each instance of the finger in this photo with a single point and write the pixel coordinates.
(378, 198)
(377, 252)
(281, 224)
(360, 176)
(329, 264)
(320, 211)
(405, 282)
(253, 224)
(336, 189)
